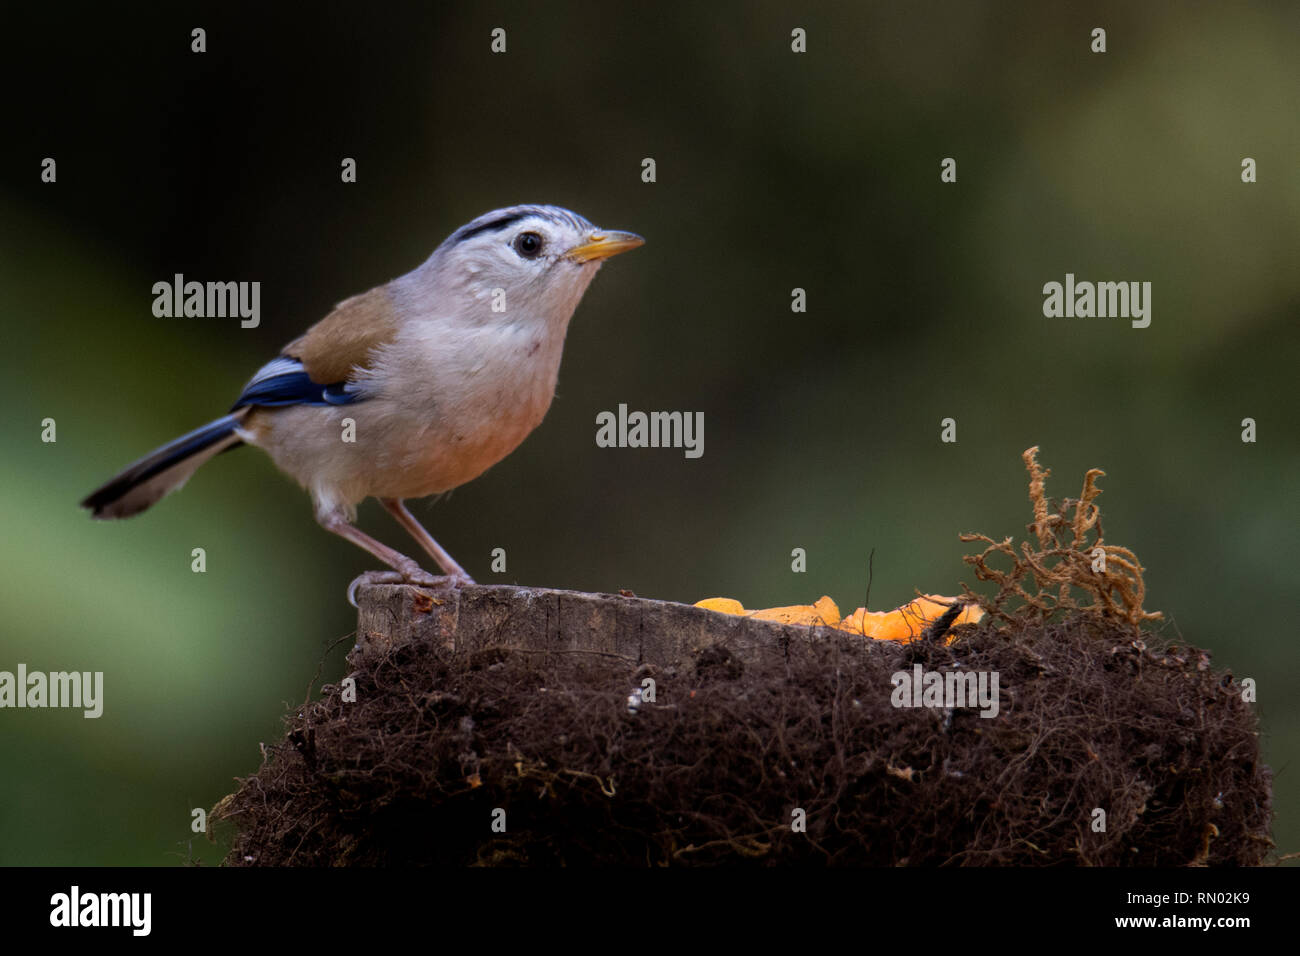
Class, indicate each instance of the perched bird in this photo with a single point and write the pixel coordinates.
(410, 389)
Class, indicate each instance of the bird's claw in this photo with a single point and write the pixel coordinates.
(370, 578)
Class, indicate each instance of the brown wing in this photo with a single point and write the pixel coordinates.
(347, 337)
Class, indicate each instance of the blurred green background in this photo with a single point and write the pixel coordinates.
(775, 170)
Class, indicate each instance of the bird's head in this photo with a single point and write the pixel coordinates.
(525, 263)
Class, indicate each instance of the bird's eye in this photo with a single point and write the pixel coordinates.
(528, 244)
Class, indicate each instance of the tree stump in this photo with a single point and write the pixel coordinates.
(528, 726)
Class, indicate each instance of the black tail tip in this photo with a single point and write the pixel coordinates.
(97, 501)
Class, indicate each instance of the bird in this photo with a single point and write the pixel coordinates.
(409, 390)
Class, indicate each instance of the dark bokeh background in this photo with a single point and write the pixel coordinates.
(775, 170)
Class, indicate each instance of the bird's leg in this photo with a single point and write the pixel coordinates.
(398, 510)
(407, 571)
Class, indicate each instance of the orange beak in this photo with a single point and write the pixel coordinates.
(602, 245)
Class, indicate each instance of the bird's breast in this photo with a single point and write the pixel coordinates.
(453, 419)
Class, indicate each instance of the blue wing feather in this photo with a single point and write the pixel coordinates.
(284, 381)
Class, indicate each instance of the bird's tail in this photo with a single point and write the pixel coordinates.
(163, 471)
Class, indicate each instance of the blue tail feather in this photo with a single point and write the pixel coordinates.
(113, 500)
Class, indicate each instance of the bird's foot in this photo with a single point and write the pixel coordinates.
(414, 574)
